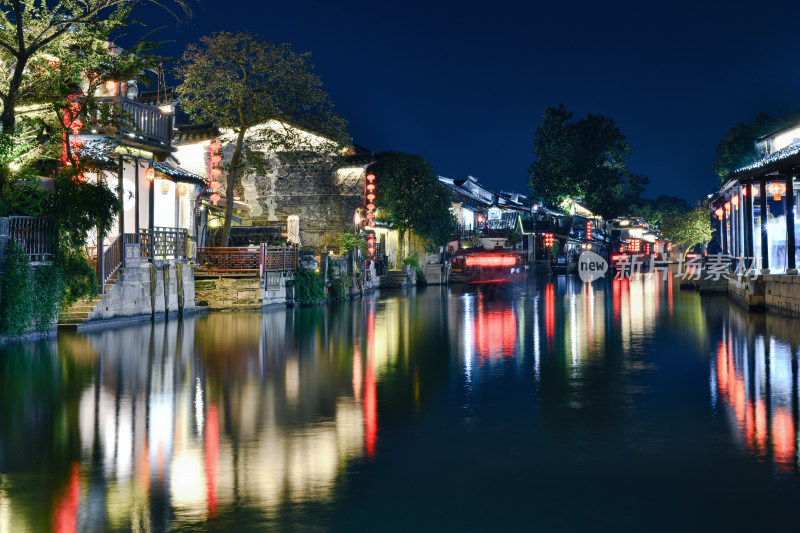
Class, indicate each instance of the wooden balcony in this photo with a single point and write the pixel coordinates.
(135, 122)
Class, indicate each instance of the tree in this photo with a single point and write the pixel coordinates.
(30, 29)
(689, 228)
(736, 149)
(414, 198)
(656, 211)
(584, 160)
(266, 95)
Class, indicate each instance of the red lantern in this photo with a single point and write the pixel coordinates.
(776, 189)
(150, 174)
(215, 185)
(182, 189)
(215, 172)
(370, 177)
(718, 212)
(370, 215)
(371, 250)
(164, 186)
(215, 159)
(215, 198)
(371, 207)
(370, 197)
(372, 223)
(735, 202)
(727, 206)
(371, 187)
(214, 147)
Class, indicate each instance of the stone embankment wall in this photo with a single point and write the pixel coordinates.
(747, 291)
(782, 293)
(140, 293)
(236, 294)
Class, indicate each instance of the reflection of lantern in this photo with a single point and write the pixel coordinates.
(718, 212)
(150, 174)
(214, 146)
(215, 198)
(164, 186)
(182, 189)
(776, 189)
(215, 185)
(735, 202)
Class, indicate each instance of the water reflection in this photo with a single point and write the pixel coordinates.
(754, 385)
(455, 400)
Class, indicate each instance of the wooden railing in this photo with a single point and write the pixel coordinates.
(163, 243)
(246, 262)
(228, 261)
(112, 260)
(150, 122)
(137, 119)
(278, 258)
(36, 235)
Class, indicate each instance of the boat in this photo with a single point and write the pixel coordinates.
(488, 266)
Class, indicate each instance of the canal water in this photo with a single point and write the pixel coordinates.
(626, 405)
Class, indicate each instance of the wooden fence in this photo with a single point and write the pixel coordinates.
(245, 261)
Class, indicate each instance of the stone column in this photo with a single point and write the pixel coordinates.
(724, 229)
(748, 219)
(762, 191)
(791, 267)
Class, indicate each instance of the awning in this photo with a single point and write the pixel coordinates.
(179, 174)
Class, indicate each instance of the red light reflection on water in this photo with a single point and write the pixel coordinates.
(370, 392)
(496, 333)
(65, 515)
(549, 311)
(762, 434)
(212, 458)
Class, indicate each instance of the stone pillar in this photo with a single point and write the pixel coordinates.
(724, 229)
(748, 220)
(762, 192)
(791, 267)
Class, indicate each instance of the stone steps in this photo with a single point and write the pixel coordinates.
(79, 311)
(395, 279)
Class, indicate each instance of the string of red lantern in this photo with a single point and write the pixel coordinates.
(214, 159)
(370, 196)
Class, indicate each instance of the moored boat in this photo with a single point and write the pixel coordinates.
(487, 266)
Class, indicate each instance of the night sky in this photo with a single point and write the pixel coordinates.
(465, 84)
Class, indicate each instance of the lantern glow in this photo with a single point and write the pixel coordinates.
(150, 174)
(735, 202)
(370, 197)
(491, 260)
(215, 198)
(164, 187)
(718, 212)
(214, 147)
(182, 189)
(370, 177)
(776, 189)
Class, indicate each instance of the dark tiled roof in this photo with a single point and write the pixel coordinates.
(179, 174)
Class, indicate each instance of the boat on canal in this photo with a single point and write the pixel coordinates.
(488, 266)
